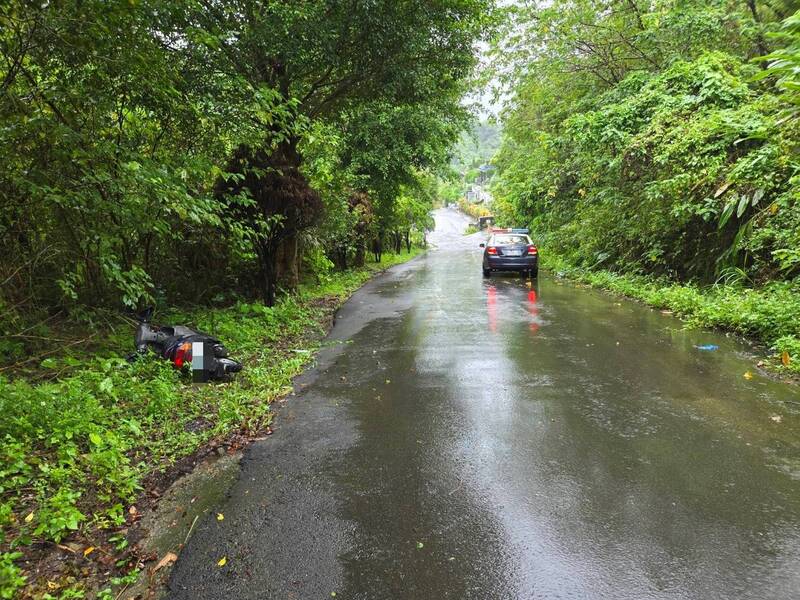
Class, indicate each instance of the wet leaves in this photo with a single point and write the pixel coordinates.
(220, 517)
(722, 189)
(748, 375)
(222, 561)
(168, 559)
(785, 358)
(88, 551)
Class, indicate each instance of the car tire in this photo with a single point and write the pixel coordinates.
(487, 273)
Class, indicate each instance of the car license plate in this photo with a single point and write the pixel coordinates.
(513, 253)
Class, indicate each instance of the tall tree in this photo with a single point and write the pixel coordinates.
(120, 118)
(327, 57)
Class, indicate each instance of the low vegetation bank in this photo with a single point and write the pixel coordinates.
(81, 434)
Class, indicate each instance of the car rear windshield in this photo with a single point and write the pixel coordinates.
(507, 240)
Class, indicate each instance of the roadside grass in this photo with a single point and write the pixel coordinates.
(769, 314)
(342, 285)
(78, 441)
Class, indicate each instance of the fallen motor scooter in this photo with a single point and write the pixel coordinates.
(183, 346)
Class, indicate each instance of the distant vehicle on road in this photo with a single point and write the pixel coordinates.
(510, 250)
(484, 222)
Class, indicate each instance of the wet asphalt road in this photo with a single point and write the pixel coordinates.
(463, 438)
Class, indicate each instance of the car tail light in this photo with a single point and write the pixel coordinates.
(532, 250)
(491, 250)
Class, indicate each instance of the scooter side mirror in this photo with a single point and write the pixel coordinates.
(145, 315)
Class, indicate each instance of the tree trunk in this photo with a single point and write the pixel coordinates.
(761, 43)
(286, 267)
(359, 258)
(298, 260)
(408, 241)
(267, 259)
(340, 258)
(377, 249)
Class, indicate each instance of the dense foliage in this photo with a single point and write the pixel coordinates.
(656, 137)
(475, 148)
(156, 150)
(644, 138)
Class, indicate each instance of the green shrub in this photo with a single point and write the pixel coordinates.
(11, 579)
(687, 172)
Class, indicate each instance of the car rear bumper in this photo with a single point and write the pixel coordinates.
(506, 263)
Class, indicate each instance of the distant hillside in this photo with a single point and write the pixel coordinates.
(476, 147)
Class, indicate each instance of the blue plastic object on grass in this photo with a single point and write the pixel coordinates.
(707, 347)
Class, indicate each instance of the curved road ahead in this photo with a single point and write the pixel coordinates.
(470, 438)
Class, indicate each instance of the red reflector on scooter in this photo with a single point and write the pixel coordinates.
(183, 355)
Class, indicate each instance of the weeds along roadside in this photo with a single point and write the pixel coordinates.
(769, 314)
(76, 449)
